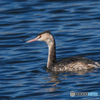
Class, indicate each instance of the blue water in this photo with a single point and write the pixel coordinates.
(75, 25)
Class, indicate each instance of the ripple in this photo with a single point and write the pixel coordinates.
(23, 73)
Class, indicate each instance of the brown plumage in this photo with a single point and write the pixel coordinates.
(66, 64)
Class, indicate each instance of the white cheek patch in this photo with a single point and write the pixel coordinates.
(39, 39)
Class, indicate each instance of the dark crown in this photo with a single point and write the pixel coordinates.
(44, 32)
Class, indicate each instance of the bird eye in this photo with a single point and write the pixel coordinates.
(40, 36)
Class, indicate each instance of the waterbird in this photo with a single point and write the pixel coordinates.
(67, 64)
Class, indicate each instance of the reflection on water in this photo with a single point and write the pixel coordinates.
(75, 26)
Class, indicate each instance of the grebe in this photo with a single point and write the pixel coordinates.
(66, 64)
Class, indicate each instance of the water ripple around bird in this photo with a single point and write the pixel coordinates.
(76, 28)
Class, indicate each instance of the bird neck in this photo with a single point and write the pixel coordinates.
(51, 55)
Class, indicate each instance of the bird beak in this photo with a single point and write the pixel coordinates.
(32, 40)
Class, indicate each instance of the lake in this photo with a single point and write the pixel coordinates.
(75, 24)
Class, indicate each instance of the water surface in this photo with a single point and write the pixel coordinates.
(75, 25)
